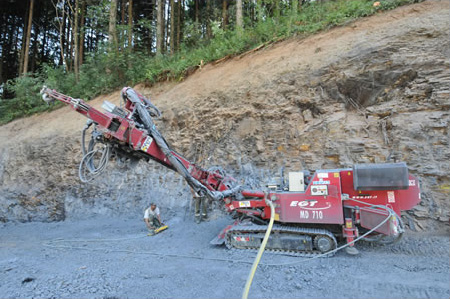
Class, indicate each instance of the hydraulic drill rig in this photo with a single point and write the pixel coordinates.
(312, 212)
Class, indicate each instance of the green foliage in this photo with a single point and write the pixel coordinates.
(109, 69)
(27, 99)
(99, 14)
(313, 18)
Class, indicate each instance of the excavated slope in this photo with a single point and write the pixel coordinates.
(376, 90)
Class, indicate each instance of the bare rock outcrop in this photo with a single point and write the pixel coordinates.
(351, 95)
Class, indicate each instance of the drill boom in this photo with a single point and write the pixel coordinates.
(134, 128)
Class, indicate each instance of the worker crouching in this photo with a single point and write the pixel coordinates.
(152, 218)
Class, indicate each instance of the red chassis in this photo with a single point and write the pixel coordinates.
(338, 202)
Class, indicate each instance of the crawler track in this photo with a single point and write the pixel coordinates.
(296, 241)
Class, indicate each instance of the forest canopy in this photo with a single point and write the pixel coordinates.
(87, 47)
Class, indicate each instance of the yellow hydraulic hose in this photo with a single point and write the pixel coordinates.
(260, 251)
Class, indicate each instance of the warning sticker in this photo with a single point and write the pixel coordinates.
(321, 182)
(148, 141)
(244, 204)
(322, 175)
(391, 196)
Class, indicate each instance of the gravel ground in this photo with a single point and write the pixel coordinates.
(114, 258)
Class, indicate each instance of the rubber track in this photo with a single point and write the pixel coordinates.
(257, 229)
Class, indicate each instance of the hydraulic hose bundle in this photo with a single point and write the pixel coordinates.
(260, 251)
(88, 169)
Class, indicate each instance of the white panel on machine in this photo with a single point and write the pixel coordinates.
(296, 181)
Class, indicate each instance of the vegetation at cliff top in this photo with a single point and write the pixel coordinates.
(84, 50)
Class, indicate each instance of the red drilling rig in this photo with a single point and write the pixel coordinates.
(311, 212)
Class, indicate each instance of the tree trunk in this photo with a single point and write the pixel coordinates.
(62, 38)
(24, 40)
(160, 28)
(3, 50)
(239, 15)
(130, 24)
(208, 19)
(180, 10)
(112, 30)
(27, 43)
(76, 39)
(122, 12)
(1, 71)
(164, 27)
(37, 31)
(70, 51)
(172, 26)
(82, 31)
(224, 15)
(151, 32)
(253, 14)
(68, 41)
(197, 18)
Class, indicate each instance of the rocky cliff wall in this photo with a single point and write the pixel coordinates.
(372, 92)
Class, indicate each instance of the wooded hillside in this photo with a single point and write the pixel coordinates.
(63, 32)
(87, 47)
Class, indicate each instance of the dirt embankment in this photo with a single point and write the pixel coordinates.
(374, 91)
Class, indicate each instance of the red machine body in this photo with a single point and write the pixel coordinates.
(329, 204)
(323, 200)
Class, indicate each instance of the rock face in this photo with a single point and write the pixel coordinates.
(40, 183)
(383, 98)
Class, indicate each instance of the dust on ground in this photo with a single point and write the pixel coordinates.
(114, 258)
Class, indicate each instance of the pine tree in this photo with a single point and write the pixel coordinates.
(160, 23)
(27, 42)
(112, 29)
(239, 15)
